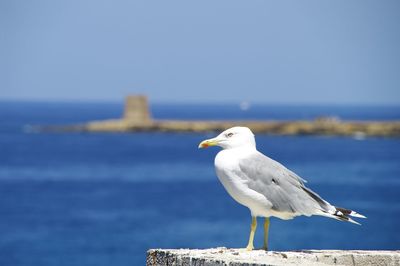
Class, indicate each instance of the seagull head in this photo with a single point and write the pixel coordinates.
(231, 138)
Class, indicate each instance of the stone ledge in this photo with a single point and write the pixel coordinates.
(238, 257)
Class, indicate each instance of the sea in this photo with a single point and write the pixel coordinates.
(106, 198)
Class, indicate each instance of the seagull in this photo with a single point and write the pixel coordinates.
(265, 186)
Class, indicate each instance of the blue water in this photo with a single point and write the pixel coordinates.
(104, 199)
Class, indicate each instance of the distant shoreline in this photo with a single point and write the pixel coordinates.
(137, 117)
(357, 129)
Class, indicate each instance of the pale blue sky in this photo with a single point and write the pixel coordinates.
(202, 51)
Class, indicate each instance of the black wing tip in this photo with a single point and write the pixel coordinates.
(345, 214)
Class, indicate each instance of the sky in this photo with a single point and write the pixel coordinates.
(224, 51)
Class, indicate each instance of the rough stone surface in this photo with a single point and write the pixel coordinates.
(241, 257)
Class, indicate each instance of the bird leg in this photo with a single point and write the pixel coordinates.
(253, 227)
(266, 229)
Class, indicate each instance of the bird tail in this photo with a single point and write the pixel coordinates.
(343, 214)
(331, 211)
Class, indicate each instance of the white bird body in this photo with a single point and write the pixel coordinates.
(263, 185)
(227, 166)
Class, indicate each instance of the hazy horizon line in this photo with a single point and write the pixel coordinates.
(190, 102)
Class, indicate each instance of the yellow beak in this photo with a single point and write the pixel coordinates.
(208, 142)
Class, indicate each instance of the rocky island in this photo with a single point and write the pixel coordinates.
(137, 118)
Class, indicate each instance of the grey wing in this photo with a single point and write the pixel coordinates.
(283, 188)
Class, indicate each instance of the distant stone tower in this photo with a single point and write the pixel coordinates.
(137, 109)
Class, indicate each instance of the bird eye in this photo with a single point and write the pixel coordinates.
(229, 135)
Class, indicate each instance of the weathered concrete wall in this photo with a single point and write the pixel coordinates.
(242, 257)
